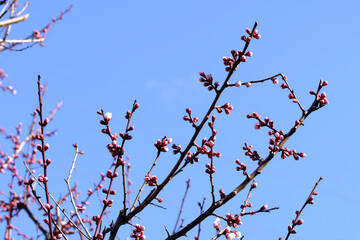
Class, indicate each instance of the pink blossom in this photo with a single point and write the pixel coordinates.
(216, 223)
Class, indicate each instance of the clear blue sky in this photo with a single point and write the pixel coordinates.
(104, 55)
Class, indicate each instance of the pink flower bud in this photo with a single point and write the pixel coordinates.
(46, 146)
(243, 58)
(238, 84)
(299, 222)
(257, 36)
(108, 116)
(48, 161)
(302, 154)
(46, 121)
(283, 85)
(249, 54)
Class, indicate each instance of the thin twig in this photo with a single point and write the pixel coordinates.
(308, 201)
(144, 183)
(70, 192)
(182, 204)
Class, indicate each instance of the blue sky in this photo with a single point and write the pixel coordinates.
(106, 56)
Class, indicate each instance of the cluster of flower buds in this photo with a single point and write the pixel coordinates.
(191, 157)
(241, 167)
(161, 144)
(46, 147)
(321, 97)
(208, 81)
(285, 84)
(229, 62)
(126, 136)
(323, 100)
(209, 169)
(151, 180)
(48, 206)
(177, 149)
(227, 108)
(233, 221)
(274, 142)
(110, 174)
(108, 203)
(106, 118)
(294, 99)
(47, 162)
(114, 149)
(252, 154)
(189, 118)
(254, 115)
(37, 34)
(310, 200)
(211, 126)
(236, 55)
(45, 122)
(286, 153)
(256, 34)
(298, 222)
(96, 218)
(267, 122)
(291, 230)
(30, 181)
(41, 178)
(138, 232)
(129, 113)
(246, 205)
(262, 123)
(231, 234)
(205, 150)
